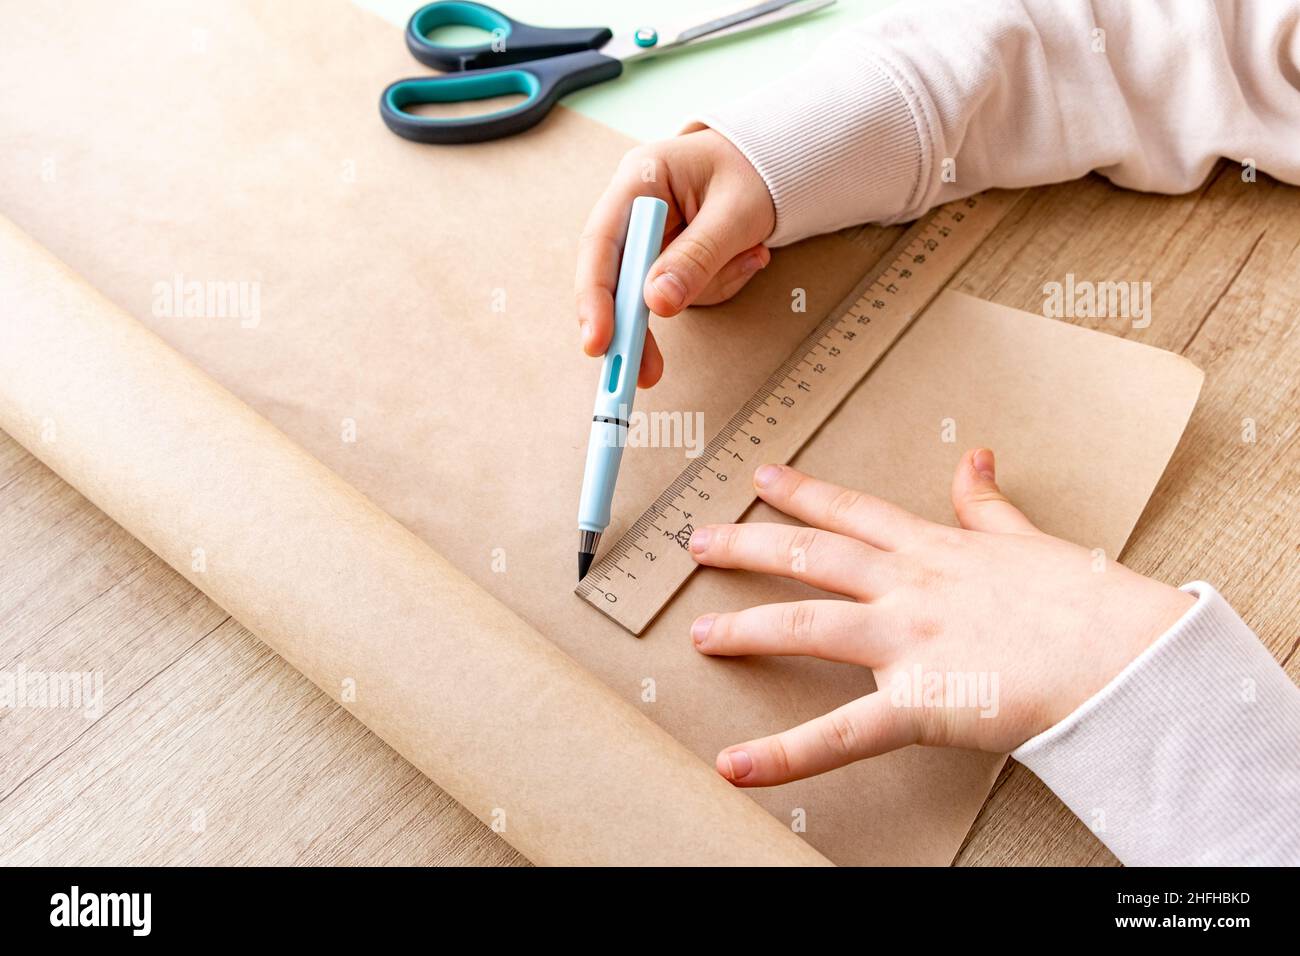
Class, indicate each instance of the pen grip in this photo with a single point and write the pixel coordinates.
(616, 390)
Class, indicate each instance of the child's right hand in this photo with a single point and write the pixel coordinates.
(719, 213)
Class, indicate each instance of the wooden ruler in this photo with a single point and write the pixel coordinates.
(633, 580)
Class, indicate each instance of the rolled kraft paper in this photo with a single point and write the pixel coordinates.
(448, 676)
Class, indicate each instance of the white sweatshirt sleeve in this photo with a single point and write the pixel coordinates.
(1191, 755)
(934, 101)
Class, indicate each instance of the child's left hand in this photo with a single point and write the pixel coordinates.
(1042, 623)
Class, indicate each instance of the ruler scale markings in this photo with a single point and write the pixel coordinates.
(854, 336)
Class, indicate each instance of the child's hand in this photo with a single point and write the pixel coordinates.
(719, 213)
(1030, 626)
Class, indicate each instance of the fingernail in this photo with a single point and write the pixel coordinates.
(671, 288)
(584, 330)
(982, 462)
(737, 765)
(700, 629)
(766, 475)
(752, 263)
(700, 539)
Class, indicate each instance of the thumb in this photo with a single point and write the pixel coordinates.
(694, 258)
(979, 503)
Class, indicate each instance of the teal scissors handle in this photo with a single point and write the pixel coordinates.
(512, 41)
(542, 82)
(542, 63)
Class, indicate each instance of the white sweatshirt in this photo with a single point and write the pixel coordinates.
(1014, 93)
(1192, 754)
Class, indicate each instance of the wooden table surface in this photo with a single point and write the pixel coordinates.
(210, 749)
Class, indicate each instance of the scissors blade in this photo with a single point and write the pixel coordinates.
(752, 17)
(720, 23)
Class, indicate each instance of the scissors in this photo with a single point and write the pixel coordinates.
(542, 63)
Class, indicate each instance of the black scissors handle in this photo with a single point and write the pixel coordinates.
(542, 82)
(512, 42)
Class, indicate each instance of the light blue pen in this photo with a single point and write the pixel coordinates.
(618, 374)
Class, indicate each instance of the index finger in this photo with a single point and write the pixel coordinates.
(600, 248)
(834, 508)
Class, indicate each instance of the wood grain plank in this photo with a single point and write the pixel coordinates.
(210, 748)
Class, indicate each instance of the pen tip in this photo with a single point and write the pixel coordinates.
(584, 563)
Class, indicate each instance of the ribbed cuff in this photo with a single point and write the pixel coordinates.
(1191, 755)
(838, 143)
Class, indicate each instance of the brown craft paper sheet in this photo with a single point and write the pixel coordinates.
(440, 670)
(424, 295)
